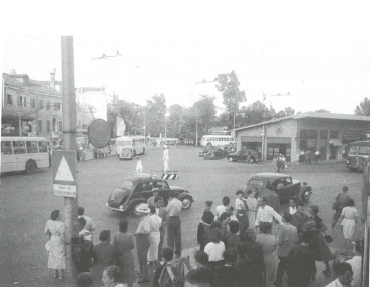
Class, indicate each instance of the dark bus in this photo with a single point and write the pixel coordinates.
(358, 154)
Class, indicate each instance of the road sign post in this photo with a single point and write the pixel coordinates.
(64, 173)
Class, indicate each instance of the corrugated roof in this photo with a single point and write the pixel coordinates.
(32, 85)
(312, 115)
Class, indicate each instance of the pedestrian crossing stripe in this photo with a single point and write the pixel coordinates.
(170, 175)
(64, 172)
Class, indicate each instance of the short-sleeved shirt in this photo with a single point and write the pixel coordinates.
(174, 207)
(215, 251)
(350, 212)
(144, 225)
(90, 226)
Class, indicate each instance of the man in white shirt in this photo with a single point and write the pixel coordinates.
(356, 262)
(83, 230)
(139, 165)
(345, 276)
(292, 206)
(166, 159)
(90, 226)
(266, 213)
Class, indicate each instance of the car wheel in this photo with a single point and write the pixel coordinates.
(230, 159)
(306, 195)
(209, 144)
(186, 202)
(30, 166)
(134, 212)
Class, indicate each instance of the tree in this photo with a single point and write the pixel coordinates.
(228, 85)
(364, 108)
(204, 111)
(322, 111)
(255, 113)
(289, 111)
(155, 113)
(176, 120)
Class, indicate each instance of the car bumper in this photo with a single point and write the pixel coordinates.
(113, 208)
(126, 157)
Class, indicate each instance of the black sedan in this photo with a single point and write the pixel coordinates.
(243, 155)
(136, 189)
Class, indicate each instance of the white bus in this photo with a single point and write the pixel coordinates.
(216, 140)
(135, 143)
(24, 153)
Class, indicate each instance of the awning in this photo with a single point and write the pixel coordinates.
(335, 142)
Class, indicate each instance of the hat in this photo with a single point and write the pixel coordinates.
(155, 190)
(165, 146)
(143, 208)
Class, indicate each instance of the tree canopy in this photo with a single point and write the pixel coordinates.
(364, 108)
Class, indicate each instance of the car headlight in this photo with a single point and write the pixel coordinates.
(113, 197)
(121, 207)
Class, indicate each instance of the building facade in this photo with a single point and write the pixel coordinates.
(31, 108)
(329, 133)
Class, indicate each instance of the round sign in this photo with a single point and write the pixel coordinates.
(99, 133)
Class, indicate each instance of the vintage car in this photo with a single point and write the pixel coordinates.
(137, 188)
(243, 155)
(214, 153)
(282, 184)
(203, 151)
(126, 153)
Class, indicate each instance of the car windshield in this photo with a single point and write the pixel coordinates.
(126, 184)
(257, 182)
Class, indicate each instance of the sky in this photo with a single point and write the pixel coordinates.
(317, 51)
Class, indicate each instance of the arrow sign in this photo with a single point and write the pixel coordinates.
(64, 173)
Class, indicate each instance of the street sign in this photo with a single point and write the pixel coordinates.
(99, 133)
(64, 173)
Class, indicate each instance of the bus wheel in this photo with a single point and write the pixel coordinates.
(143, 151)
(209, 144)
(31, 166)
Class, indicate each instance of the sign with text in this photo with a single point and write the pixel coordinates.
(64, 173)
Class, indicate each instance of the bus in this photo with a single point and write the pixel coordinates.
(135, 143)
(217, 140)
(24, 154)
(358, 154)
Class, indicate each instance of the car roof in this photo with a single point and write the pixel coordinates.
(269, 175)
(144, 177)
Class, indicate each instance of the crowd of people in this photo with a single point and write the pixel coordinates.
(253, 244)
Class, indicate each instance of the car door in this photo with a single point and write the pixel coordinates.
(145, 190)
(164, 190)
(289, 187)
(281, 189)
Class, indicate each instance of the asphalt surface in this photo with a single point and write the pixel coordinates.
(27, 200)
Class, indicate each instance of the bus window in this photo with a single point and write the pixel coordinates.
(353, 149)
(232, 139)
(19, 147)
(31, 146)
(6, 147)
(43, 147)
(364, 150)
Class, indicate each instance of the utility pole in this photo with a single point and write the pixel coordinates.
(69, 143)
(196, 132)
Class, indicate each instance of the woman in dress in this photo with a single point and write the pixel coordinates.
(252, 207)
(104, 255)
(269, 244)
(111, 276)
(55, 230)
(318, 244)
(125, 242)
(215, 249)
(349, 220)
(154, 237)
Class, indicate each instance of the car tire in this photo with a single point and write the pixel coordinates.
(134, 207)
(306, 195)
(208, 144)
(186, 202)
(230, 159)
(31, 166)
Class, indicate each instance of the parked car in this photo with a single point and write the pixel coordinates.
(136, 189)
(214, 153)
(126, 153)
(243, 155)
(282, 184)
(203, 151)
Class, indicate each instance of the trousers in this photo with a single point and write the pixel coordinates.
(160, 245)
(282, 267)
(142, 247)
(174, 234)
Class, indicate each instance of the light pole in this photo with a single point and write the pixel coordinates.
(165, 127)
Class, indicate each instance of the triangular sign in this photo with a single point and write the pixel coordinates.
(64, 172)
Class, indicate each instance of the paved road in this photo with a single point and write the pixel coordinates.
(27, 200)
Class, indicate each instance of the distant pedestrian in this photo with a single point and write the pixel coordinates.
(142, 235)
(301, 263)
(301, 156)
(55, 229)
(161, 212)
(349, 220)
(272, 197)
(231, 238)
(308, 155)
(104, 255)
(84, 261)
(299, 218)
(166, 159)
(222, 208)
(204, 226)
(265, 213)
(252, 205)
(340, 202)
(243, 220)
(240, 202)
(90, 226)
(345, 276)
(287, 238)
(125, 242)
(269, 244)
(292, 205)
(150, 201)
(139, 165)
(317, 156)
(155, 225)
(215, 249)
(173, 209)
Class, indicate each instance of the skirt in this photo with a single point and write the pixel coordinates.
(154, 239)
(251, 218)
(348, 227)
(57, 258)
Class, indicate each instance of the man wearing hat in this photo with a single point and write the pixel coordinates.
(166, 159)
(142, 241)
(139, 165)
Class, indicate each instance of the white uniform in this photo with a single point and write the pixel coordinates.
(139, 166)
(166, 160)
